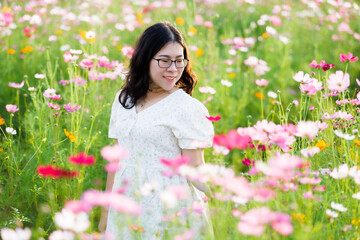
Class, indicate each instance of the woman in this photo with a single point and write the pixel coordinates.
(154, 117)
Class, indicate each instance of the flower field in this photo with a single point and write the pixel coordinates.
(279, 78)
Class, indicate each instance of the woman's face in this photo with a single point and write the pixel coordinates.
(166, 78)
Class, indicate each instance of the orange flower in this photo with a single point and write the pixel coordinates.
(11, 51)
(136, 228)
(70, 135)
(321, 145)
(59, 32)
(1, 149)
(2, 121)
(179, 21)
(259, 95)
(27, 49)
(265, 35)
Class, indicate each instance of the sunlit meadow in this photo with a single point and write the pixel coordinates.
(280, 80)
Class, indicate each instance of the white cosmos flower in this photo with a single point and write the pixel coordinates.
(17, 234)
(169, 199)
(68, 220)
(342, 172)
(10, 130)
(62, 235)
(272, 94)
(74, 51)
(226, 83)
(356, 195)
(90, 35)
(332, 213)
(306, 152)
(345, 136)
(39, 76)
(338, 206)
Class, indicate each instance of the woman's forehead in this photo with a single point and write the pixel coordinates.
(172, 49)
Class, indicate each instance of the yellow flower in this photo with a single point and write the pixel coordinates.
(265, 35)
(119, 47)
(70, 135)
(179, 21)
(6, 9)
(259, 95)
(30, 140)
(199, 52)
(2, 121)
(232, 75)
(192, 30)
(59, 32)
(11, 51)
(355, 222)
(299, 217)
(321, 145)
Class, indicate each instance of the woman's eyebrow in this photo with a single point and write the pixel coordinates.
(169, 56)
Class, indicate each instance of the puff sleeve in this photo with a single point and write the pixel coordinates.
(113, 117)
(192, 129)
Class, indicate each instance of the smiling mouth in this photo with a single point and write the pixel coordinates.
(170, 79)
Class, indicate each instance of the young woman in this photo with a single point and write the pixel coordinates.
(154, 117)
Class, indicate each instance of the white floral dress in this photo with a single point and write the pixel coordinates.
(159, 131)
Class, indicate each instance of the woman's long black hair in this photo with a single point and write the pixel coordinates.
(137, 81)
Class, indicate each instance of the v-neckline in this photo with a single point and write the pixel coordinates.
(161, 100)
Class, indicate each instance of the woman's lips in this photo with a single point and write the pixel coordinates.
(170, 79)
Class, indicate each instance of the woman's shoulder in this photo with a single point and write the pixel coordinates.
(189, 103)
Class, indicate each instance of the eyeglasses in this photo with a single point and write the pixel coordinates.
(166, 63)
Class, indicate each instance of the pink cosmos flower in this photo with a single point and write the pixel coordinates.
(261, 82)
(180, 191)
(296, 102)
(127, 51)
(70, 58)
(11, 108)
(53, 106)
(307, 129)
(114, 154)
(275, 20)
(86, 64)
(282, 166)
(77, 206)
(233, 140)
(283, 139)
(311, 88)
(16, 85)
(208, 24)
(302, 78)
(82, 159)
(71, 108)
(214, 119)
(264, 194)
(311, 108)
(51, 93)
(349, 57)
(282, 224)
(339, 81)
(175, 163)
(322, 65)
(253, 222)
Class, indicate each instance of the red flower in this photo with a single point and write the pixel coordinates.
(248, 162)
(50, 171)
(82, 159)
(214, 119)
(349, 57)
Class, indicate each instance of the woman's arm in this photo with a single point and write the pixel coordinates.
(104, 211)
(196, 158)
